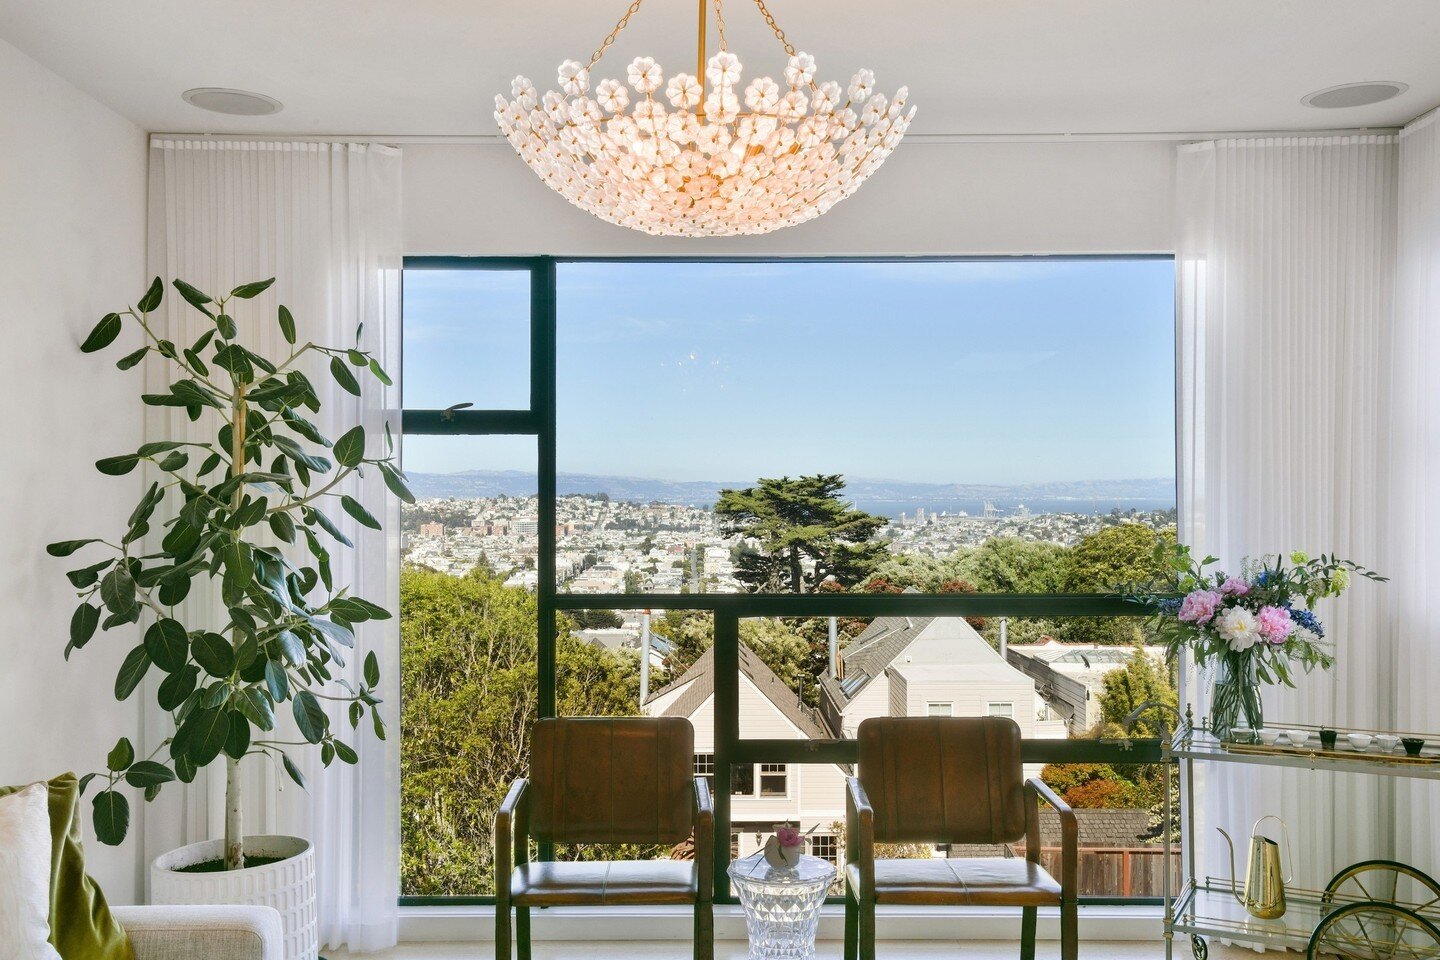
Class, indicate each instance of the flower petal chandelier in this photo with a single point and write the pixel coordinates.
(684, 158)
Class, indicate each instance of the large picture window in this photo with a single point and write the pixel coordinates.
(777, 498)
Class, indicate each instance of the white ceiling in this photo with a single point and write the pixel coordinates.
(432, 67)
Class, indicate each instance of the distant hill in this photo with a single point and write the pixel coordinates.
(880, 496)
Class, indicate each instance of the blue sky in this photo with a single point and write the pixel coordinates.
(970, 371)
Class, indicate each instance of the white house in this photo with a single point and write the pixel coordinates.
(762, 794)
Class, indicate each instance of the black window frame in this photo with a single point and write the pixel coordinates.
(730, 749)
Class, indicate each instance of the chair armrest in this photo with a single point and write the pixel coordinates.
(203, 932)
(1035, 788)
(511, 829)
(860, 836)
(704, 839)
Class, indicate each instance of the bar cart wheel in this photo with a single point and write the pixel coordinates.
(1373, 930)
(1198, 947)
(1385, 880)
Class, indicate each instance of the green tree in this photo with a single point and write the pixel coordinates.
(1142, 679)
(796, 520)
(469, 699)
(1113, 559)
(778, 643)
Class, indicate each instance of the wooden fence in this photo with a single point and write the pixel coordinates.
(1118, 871)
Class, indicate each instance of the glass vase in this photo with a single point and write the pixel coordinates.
(1235, 696)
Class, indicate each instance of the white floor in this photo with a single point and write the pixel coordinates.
(827, 950)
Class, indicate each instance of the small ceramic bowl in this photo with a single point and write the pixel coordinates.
(1413, 745)
(1268, 737)
(1242, 735)
(1297, 738)
(1359, 741)
(1387, 741)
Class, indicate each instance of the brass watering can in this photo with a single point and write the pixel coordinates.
(1264, 883)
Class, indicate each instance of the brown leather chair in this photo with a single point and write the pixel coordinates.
(944, 780)
(605, 780)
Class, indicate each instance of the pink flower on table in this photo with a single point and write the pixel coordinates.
(1199, 606)
(1275, 624)
(1234, 587)
(788, 836)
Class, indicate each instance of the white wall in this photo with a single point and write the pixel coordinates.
(929, 198)
(72, 246)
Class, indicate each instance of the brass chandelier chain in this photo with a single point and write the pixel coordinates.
(634, 8)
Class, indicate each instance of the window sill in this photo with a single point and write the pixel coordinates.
(477, 923)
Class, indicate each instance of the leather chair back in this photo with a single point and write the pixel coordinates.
(943, 779)
(612, 780)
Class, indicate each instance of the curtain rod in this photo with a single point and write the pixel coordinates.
(920, 138)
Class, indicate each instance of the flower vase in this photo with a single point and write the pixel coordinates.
(1235, 696)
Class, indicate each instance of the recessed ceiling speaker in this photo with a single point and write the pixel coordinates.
(239, 103)
(1355, 94)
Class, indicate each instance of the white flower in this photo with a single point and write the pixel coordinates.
(800, 70)
(645, 74)
(1237, 627)
(682, 127)
(724, 69)
(794, 104)
(555, 107)
(827, 98)
(874, 110)
(684, 91)
(762, 94)
(612, 95)
(574, 78)
(649, 116)
(861, 84)
(585, 110)
(722, 105)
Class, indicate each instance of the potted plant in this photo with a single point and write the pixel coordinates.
(241, 515)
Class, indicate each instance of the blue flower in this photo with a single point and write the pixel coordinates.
(1264, 577)
(1309, 621)
(1168, 607)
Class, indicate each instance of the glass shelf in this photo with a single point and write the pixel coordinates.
(1208, 909)
(1191, 743)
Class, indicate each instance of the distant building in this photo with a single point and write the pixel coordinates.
(762, 794)
(432, 529)
(527, 526)
(1070, 676)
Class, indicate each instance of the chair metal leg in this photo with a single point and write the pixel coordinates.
(502, 932)
(852, 927)
(522, 933)
(1069, 930)
(867, 930)
(704, 930)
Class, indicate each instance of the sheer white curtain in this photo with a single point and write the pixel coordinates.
(324, 219)
(1285, 271)
(1413, 461)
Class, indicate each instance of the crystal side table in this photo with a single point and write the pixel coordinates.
(782, 905)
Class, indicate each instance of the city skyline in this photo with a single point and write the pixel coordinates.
(1007, 371)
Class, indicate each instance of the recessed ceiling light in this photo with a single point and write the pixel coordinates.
(1355, 94)
(238, 103)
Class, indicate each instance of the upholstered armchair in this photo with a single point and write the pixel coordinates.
(944, 780)
(597, 780)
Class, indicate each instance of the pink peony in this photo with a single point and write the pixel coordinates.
(1274, 624)
(1199, 606)
(1234, 587)
(788, 836)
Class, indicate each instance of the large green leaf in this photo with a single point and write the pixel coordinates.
(167, 644)
(350, 448)
(131, 359)
(276, 681)
(395, 480)
(112, 817)
(214, 654)
(293, 771)
(64, 548)
(310, 716)
(117, 466)
(121, 755)
(328, 525)
(256, 708)
(290, 647)
(208, 730)
(86, 576)
(341, 372)
(287, 324)
(82, 624)
(237, 737)
(132, 671)
(176, 688)
(248, 290)
(103, 335)
(152, 297)
(194, 297)
(148, 773)
(361, 515)
(372, 669)
(117, 590)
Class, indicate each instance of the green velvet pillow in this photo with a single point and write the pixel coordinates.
(81, 927)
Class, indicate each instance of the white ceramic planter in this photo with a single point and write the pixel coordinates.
(287, 885)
